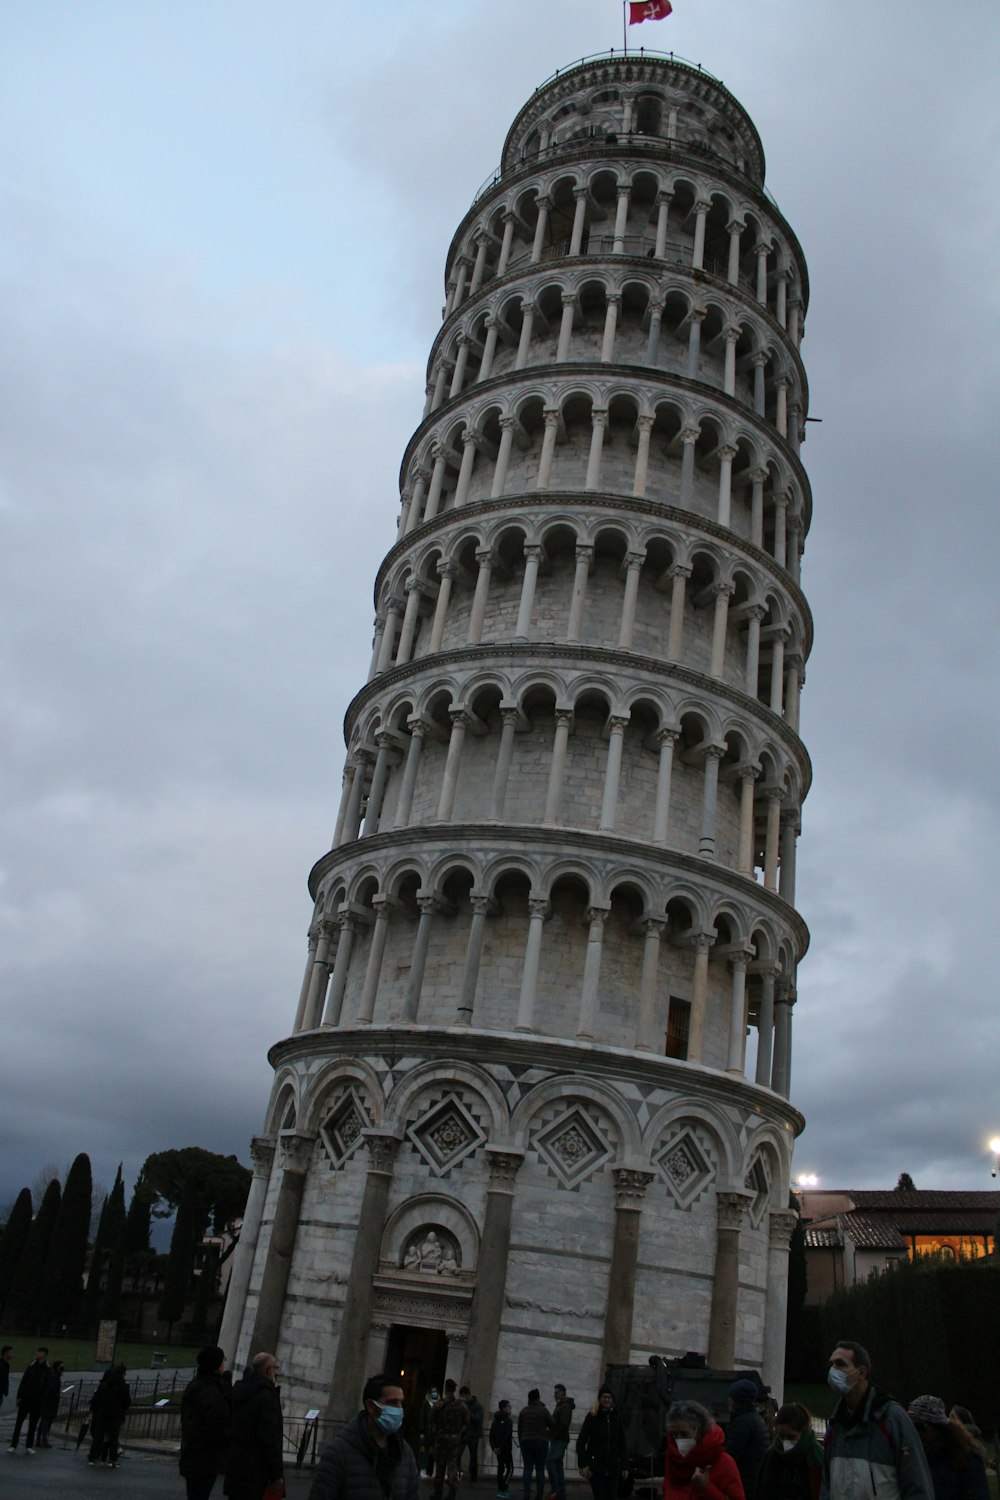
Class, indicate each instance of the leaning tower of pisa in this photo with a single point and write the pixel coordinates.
(532, 1113)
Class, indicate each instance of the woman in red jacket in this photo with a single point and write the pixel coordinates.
(696, 1465)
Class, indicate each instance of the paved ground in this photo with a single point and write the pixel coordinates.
(61, 1474)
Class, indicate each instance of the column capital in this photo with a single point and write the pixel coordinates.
(597, 914)
(731, 1208)
(759, 357)
(614, 299)
(584, 552)
(564, 716)
(417, 726)
(510, 716)
(599, 416)
(645, 423)
(551, 416)
(741, 958)
(727, 452)
(447, 569)
(539, 906)
(665, 195)
(386, 739)
(702, 206)
(679, 570)
(469, 435)
(736, 224)
(618, 723)
(570, 299)
(533, 551)
(757, 476)
(528, 305)
(783, 383)
(393, 603)
(262, 1149)
(630, 1187)
(634, 561)
(429, 905)
(730, 333)
(762, 248)
(382, 1147)
(542, 200)
(698, 314)
(667, 736)
(484, 556)
(690, 434)
(718, 589)
(460, 716)
(624, 190)
(783, 1222)
(749, 770)
(581, 192)
(414, 586)
(504, 1164)
(713, 750)
(481, 904)
(654, 924)
(384, 906)
(295, 1147)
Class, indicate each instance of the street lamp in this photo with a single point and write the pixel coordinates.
(810, 1180)
(995, 1148)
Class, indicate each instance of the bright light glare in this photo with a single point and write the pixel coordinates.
(995, 1145)
(808, 1179)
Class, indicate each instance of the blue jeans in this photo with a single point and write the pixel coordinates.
(554, 1462)
(533, 1454)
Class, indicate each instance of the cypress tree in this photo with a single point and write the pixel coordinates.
(26, 1285)
(62, 1283)
(180, 1265)
(110, 1304)
(17, 1229)
(138, 1221)
(98, 1261)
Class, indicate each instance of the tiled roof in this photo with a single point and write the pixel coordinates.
(928, 1198)
(871, 1231)
(822, 1239)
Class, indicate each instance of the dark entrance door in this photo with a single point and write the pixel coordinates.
(417, 1357)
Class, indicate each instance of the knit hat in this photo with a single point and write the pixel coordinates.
(605, 1391)
(743, 1392)
(210, 1358)
(928, 1410)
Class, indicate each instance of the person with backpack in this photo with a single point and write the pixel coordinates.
(871, 1444)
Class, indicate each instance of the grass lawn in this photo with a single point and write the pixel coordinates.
(78, 1354)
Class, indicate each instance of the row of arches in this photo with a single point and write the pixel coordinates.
(589, 437)
(658, 211)
(636, 319)
(646, 589)
(626, 961)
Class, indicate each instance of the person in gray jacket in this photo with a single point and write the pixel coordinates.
(370, 1460)
(872, 1447)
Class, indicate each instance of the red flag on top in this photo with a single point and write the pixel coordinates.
(648, 10)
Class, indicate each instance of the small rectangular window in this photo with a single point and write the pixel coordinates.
(678, 1026)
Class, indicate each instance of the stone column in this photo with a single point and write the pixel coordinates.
(352, 817)
(783, 1223)
(393, 608)
(678, 575)
(754, 615)
(612, 774)
(759, 361)
(557, 767)
(453, 761)
(544, 476)
(448, 572)
(386, 742)
(437, 393)
(584, 563)
(489, 348)
(462, 359)
(793, 689)
(486, 1312)
(477, 615)
(482, 240)
(666, 739)
(726, 456)
(781, 1061)
(318, 978)
(524, 342)
(778, 638)
(649, 983)
(726, 1283)
(732, 338)
(538, 908)
(533, 558)
(781, 310)
(429, 906)
(350, 1366)
(262, 1153)
(780, 534)
(470, 445)
(765, 1026)
(701, 209)
(655, 328)
(473, 956)
(662, 211)
(738, 1012)
(757, 477)
(376, 648)
(506, 242)
(511, 717)
(610, 329)
(541, 225)
(295, 1148)
(383, 907)
(440, 458)
(772, 795)
(633, 567)
(697, 317)
(421, 477)
(300, 1010)
(734, 231)
(702, 942)
(781, 413)
(621, 220)
(630, 1190)
(645, 427)
(748, 774)
(579, 220)
(503, 457)
(761, 251)
(689, 436)
(710, 793)
(599, 423)
(414, 594)
(566, 327)
(417, 728)
(786, 869)
(596, 917)
(348, 924)
(723, 593)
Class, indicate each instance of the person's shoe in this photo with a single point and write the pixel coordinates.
(29, 1450)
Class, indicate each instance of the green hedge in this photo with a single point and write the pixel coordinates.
(931, 1327)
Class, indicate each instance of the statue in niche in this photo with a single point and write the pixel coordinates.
(433, 1252)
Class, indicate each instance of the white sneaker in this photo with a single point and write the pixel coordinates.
(29, 1450)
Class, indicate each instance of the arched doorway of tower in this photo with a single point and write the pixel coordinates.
(418, 1357)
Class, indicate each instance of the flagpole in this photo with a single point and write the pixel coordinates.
(624, 28)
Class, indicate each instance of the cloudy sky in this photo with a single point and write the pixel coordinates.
(223, 236)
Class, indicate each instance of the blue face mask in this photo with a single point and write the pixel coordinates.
(390, 1418)
(838, 1381)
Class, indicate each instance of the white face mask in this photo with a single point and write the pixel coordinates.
(838, 1380)
(684, 1445)
(788, 1444)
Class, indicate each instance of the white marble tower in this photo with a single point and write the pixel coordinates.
(532, 1114)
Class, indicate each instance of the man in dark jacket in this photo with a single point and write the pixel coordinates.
(870, 1441)
(370, 1460)
(205, 1417)
(534, 1424)
(562, 1420)
(502, 1444)
(450, 1421)
(747, 1436)
(108, 1406)
(5, 1354)
(254, 1461)
(473, 1434)
(601, 1449)
(50, 1403)
(30, 1394)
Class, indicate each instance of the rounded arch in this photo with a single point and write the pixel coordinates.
(426, 1076)
(570, 1087)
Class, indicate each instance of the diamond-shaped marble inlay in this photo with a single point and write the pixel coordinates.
(447, 1135)
(685, 1167)
(573, 1147)
(341, 1130)
(760, 1188)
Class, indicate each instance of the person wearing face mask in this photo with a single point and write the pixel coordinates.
(872, 1449)
(793, 1464)
(255, 1457)
(696, 1465)
(747, 1436)
(370, 1460)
